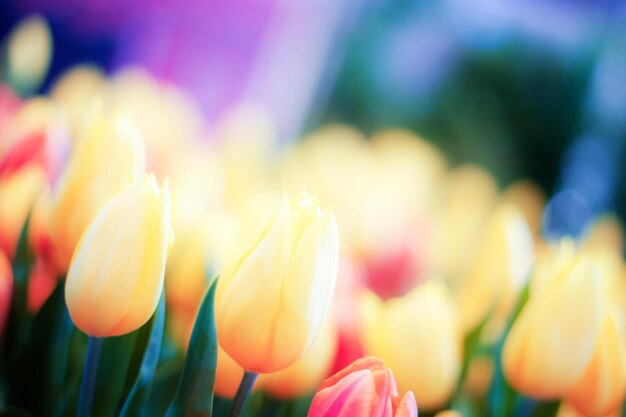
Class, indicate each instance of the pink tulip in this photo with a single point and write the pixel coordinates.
(363, 389)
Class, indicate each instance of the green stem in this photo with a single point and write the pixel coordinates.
(87, 387)
(247, 382)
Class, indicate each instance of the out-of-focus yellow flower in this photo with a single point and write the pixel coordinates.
(108, 156)
(498, 270)
(187, 278)
(29, 50)
(419, 337)
(116, 275)
(552, 341)
(530, 199)
(18, 194)
(467, 200)
(228, 375)
(294, 267)
(75, 93)
(6, 291)
(602, 387)
(605, 232)
(305, 375)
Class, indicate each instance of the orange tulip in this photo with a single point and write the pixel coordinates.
(363, 389)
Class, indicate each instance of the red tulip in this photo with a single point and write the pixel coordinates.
(363, 389)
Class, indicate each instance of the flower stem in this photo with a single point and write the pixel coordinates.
(88, 385)
(242, 393)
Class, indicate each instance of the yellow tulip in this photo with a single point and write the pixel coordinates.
(116, 275)
(271, 304)
(18, 194)
(602, 387)
(419, 337)
(109, 155)
(499, 270)
(306, 374)
(552, 341)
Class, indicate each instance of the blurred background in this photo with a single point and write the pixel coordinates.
(533, 89)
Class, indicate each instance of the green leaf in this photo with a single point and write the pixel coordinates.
(20, 319)
(112, 370)
(140, 390)
(194, 396)
(501, 396)
(42, 357)
(545, 409)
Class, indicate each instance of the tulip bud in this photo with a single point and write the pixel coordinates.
(552, 340)
(6, 290)
(363, 389)
(305, 375)
(272, 303)
(498, 271)
(116, 275)
(602, 387)
(419, 336)
(108, 156)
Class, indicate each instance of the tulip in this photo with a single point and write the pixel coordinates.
(419, 336)
(305, 375)
(271, 304)
(18, 194)
(498, 271)
(29, 50)
(6, 290)
(552, 341)
(363, 389)
(116, 275)
(108, 156)
(602, 387)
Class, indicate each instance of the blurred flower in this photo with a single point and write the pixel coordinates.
(294, 265)
(228, 375)
(75, 92)
(363, 389)
(563, 314)
(498, 270)
(29, 50)
(6, 291)
(606, 231)
(530, 199)
(110, 153)
(305, 375)
(116, 275)
(466, 201)
(41, 284)
(419, 337)
(602, 387)
(18, 194)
